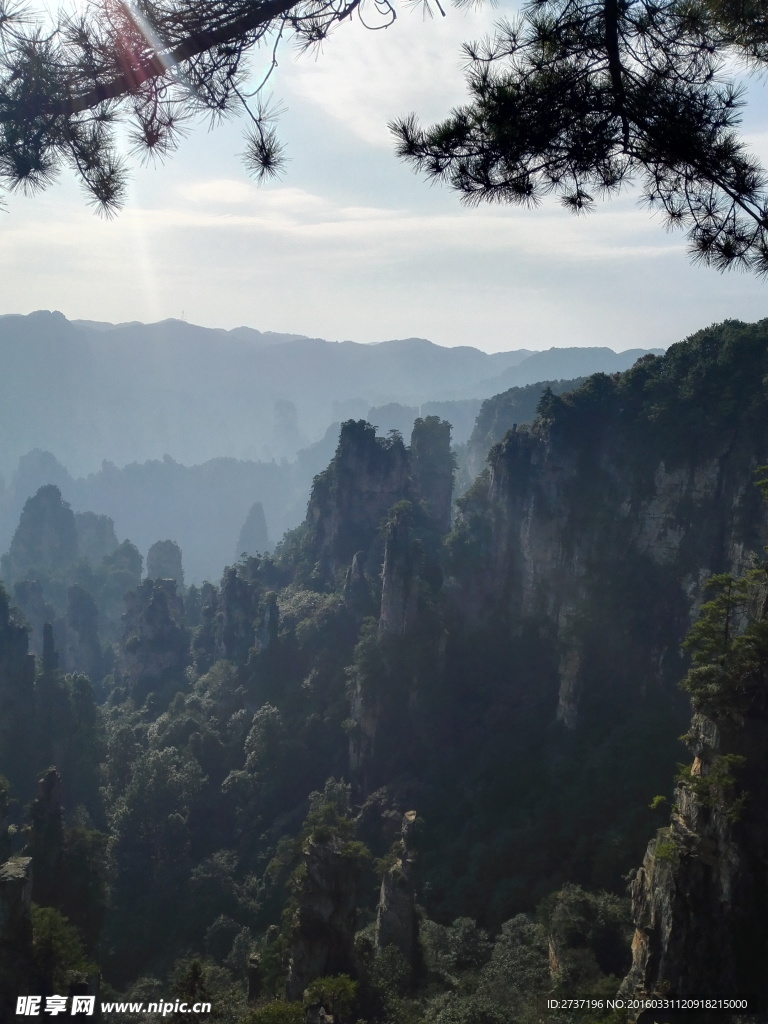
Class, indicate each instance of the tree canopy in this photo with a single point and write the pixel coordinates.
(573, 97)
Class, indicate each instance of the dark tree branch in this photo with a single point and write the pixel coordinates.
(582, 96)
(614, 63)
(259, 14)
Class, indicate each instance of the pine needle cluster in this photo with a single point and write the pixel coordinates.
(577, 98)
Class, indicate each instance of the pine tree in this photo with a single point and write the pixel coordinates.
(63, 86)
(577, 98)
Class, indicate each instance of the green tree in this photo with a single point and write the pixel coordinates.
(126, 559)
(84, 882)
(153, 829)
(57, 952)
(518, 969)
(729, 646)
(164, 562)
(587, 935)
(337, 994)
(277, 1012)
(189, 984)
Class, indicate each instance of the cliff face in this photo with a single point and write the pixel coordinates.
(254, 536)
(325, 917)
(164, 562)
(29, 598)
(17, 698)
(236, 618)
(96, 536)
(601, 523)
(397, 922)
(399, 578)
(670, 539)
(350, 499)
(432, 469)
(700, 899)
(15, 932)
(45, 540)
(380, 511)
(239, 604)
(504, 412)
(368, 475)
(154, 649)
(76, 632)
(45, 839)
(80, 644)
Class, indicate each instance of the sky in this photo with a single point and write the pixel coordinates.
(351, 243)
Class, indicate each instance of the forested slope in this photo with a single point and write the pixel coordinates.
(416, 753)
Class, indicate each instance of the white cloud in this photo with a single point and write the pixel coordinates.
(221, 191)
(290, 214)
(364, 79)
(352, 245)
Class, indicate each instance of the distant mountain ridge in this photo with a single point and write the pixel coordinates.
(249, 334)
(89, 390)
(567, 364)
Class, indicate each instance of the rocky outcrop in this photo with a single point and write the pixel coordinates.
(267, 623)
(397, 923)
(611, 477)
(238, 607)
(700, 899)
(154, 649)
(29, 598)
(362, 509)
(126, 560)
(351, 498)
(236, 618)
(120, 572)
(45, 539)
(357, 591)
(15, 933)
(164, 562)
(17, 698)
(432, 467)
(285, 438)
(45, 839)
(400, 576)
(81, 647)
(503, 412)
(76, 632)
(586, 936)
(324, 921)
(95, 536)
(254, 977)
(254, 537)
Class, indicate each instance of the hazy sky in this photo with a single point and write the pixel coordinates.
(351, 244)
